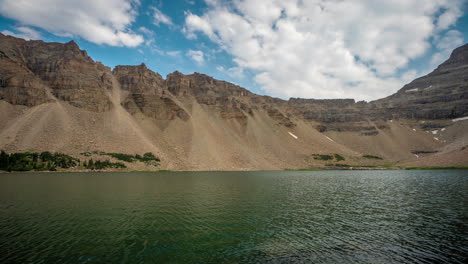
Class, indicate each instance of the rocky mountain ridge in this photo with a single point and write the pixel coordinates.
(36, 74)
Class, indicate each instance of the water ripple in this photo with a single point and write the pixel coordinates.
(235, 217)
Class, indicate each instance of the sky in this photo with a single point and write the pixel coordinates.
(361, 49)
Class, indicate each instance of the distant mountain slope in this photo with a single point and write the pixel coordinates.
(442, 93)
(54, 97)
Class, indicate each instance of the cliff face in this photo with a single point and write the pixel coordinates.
(19, 85)
(442, 94)
(34, 72)
(147, 92)
(189, 107)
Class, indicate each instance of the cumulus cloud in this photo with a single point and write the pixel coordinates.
(101, 22)
(446, 44)
(233, 72)
(160, 17)
(173, 53)
(197, 55)
(24, 33)
(326, 49)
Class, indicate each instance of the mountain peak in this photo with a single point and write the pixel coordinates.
(458, 56)
(72, 44)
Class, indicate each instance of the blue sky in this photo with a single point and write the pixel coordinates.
(322, 49)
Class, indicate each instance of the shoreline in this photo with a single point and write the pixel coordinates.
(357, 168)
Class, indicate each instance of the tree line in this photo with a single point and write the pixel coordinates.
(44, 161)
(48, 161)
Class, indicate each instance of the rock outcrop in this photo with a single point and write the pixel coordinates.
(442, 94)
(146, 92)
(196, 108)
(19, 85)
(64, 70)
(35, 72)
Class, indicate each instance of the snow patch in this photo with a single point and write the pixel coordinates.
(416, 156)
(443, 129)
(412, 90)
(292, 135)
(417, 89)
(330, 139)
(436, 138)
(460, 119)
(414, 129)
(434, 132)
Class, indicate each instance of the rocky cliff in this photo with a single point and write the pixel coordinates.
(34, 72)
(442, 94)
(197, 122)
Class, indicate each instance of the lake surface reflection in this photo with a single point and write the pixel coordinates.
(235, 217)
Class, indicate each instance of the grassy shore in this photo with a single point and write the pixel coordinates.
(376, 167)
(437, 168)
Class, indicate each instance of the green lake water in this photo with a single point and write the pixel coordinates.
(235, 217)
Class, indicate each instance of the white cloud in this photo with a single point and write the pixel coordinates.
(325, 49)
(233, 72)
(446, 44)
(146, 31)
(24, 33)
(160, 17)
(173, 53)
(101, 22)
(149, 36)
(450, 16)
(196, 23)
(196, 55)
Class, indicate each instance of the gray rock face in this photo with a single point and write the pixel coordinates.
(442, 94)
(18, 84)
(30, 69)
(147, 93)
(35, 72)
(139, 79)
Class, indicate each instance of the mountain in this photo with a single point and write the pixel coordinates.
(54, 97)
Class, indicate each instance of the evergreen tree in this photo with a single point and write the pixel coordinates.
(34, 157)
(46, 156)
(3, 160)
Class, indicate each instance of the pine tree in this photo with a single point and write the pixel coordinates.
(3, 160)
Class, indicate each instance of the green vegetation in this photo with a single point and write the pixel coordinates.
(100, 165)
(379, 166)
(437, 168)
(372, 157)
(47, 161)
(351, 166)
(121, 156)
(337, 157)
(322, 157)
(304, 169)
(34, 161)
(148, 158)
